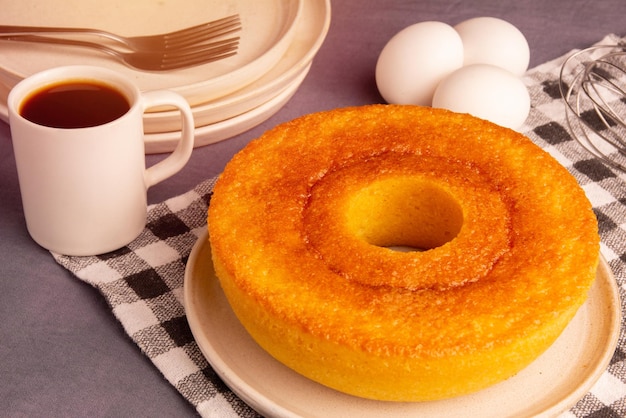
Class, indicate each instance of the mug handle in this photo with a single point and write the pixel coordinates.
(181, 154)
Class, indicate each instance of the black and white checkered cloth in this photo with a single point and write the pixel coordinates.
(143, 282)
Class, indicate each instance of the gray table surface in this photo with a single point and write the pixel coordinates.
(62, 353)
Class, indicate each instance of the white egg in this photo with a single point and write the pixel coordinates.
(489, 40)
(415, 60)
(487, 92)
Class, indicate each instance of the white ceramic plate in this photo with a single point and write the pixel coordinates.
(245, 108)
(204, 135)
(310, 33)
(166, 142)
(550, 385)
(268, 29)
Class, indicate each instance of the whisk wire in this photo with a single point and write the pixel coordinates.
(592, 83)
(596, 83)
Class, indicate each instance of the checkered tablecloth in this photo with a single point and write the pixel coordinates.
(143, 282)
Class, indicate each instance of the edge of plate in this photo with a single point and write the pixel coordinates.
(607, 286)
(220, 85)
(297, 57)
(611, 292)
(219, 131)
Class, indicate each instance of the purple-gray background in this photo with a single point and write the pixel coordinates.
(62, 353)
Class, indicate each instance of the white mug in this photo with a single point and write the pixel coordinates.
(84, 189)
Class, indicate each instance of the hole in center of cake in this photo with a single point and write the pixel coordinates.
(405, 214)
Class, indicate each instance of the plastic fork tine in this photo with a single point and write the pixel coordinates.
(173, 40)
(153, 60)
(200, 54)
(202, 33)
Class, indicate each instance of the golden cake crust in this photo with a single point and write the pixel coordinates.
(300, 220)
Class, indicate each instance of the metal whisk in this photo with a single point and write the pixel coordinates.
(593, 85)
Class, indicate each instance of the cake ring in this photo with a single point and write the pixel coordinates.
(304, 223)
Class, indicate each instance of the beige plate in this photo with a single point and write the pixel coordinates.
(239, 111)
(550, 385)
(268, 28)
(215, 132)
(310, 33)
(166, 142)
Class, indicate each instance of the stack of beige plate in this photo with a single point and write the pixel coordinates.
(278, 42)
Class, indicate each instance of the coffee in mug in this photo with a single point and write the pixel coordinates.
(74, 104)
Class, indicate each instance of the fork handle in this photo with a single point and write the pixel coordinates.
(58, 41)
(11, 30)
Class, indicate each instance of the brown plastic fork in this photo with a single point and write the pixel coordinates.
(162, 42)
(153, 60)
